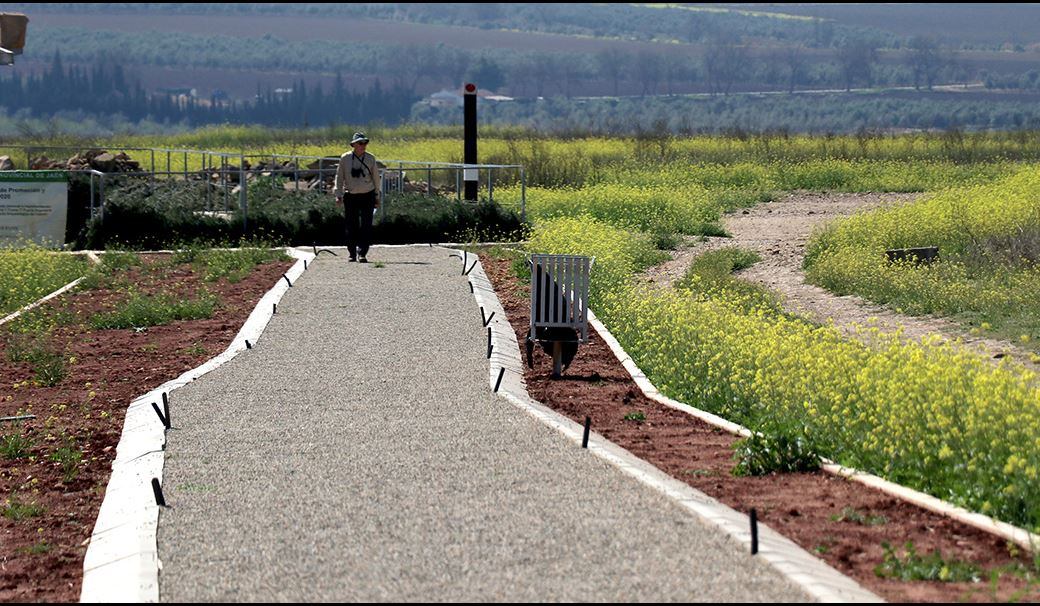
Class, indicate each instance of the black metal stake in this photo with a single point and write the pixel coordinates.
(471, 287)
(483, 318)
(465, 260)
(248, 344)
(588, 427)
(165, 419)
(754, 531)
(287, 280)
(157, 491)
(501, 373)
(305, 265)
(275, 308)
(488, 321)
(489, 343)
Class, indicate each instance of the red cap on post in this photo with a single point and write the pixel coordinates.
(471, 89)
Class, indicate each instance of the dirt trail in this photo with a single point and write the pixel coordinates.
(779, 231)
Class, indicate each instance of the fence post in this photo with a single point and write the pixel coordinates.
(491, 184)
(209, 181)
(101, 197)
(242, 197)
(523, 195)
(223, 179)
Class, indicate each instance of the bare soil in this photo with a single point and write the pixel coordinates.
(812, 509)
(41, 556)
(779, 231)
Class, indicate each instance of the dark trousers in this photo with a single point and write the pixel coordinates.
(358, 209)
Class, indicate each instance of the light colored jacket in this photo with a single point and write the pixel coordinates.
(368, 181)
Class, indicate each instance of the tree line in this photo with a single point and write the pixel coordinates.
(107, 89)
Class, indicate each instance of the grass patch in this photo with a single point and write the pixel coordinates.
(48, 364)
(932, 567)
(37, 549)
(17, 511)
(850, 514)
(15, 446)
(711, 277)
(234, 265)
(69, 457)
(142, 310)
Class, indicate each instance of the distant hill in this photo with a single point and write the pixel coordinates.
(527, 51)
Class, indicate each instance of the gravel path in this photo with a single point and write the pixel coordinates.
(356, 454)
(779, 231)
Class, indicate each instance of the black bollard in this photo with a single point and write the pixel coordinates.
(754, 531)
(588, 427)
(165, 420)
(501, 373)
(157, 491)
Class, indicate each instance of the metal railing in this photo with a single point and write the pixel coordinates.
(228, 172)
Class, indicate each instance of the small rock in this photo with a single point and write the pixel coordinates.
(747, 212)
(6, 163)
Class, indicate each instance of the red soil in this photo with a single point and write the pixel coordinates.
(41, 557)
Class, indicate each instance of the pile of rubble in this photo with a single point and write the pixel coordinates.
(94, 159)
(6, 163)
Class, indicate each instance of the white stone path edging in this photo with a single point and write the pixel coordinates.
(813, 575)
(122, 560)
(1019, 536)
(64, 289)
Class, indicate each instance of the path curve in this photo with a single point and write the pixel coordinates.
(779, 231)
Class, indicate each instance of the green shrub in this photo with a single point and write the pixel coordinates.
(775, 451)
(139, 216)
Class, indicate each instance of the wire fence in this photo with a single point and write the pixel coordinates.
(229, 176)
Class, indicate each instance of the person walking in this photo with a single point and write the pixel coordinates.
(357, 190)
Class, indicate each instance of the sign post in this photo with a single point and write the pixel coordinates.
(469, 152)
(33, 207)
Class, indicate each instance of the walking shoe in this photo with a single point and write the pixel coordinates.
(352, 259)
(363, 259)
